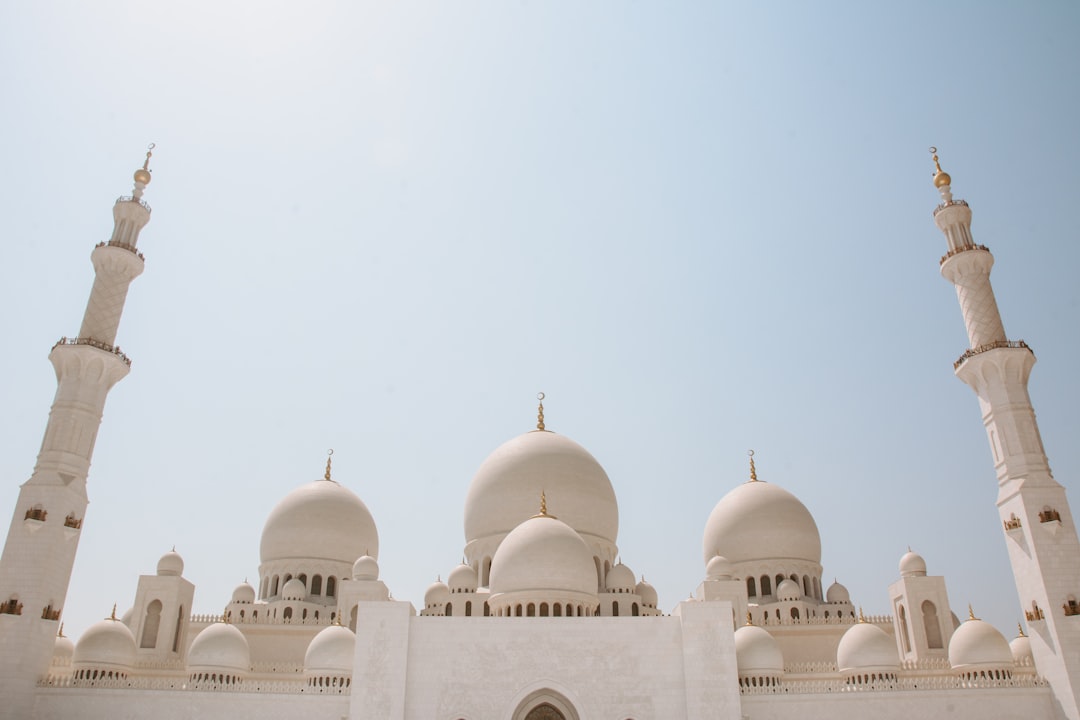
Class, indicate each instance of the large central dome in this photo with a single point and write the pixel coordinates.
(761, 521)
(320, 521)
(506, 488)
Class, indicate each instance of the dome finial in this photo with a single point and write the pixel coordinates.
(540, 412)
(749, 618)
(329, 455)
(1019, 629)
(142, 175)
(60, 633)
(113, 616)
(753, 470)
(941, 178)
(862, 618)
(971, 613)
(543, 503)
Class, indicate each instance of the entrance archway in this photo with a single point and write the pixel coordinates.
(544, 712)
(545, 704)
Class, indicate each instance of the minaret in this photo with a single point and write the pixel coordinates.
(37, 560)
(1036, 520)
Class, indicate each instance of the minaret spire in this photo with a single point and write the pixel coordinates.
(36, 564)
(1040, 534)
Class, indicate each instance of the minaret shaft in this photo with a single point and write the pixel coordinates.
(1041, 537)
(39, 554)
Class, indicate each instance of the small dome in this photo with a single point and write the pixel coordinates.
(294, 590)
(243, 593)
(912, 565)
(462, 579)
(63, 647)
(219, 646)
(620, 579)
(647, 593)
(941, 179)
(837, 593)
(330, 652)
(758, 521)
(868, 648)
(978, 644)
(365, 568)
(170, 564)
(1021, 649)
(504, 491)
(319, 521)
(437, 594)
(788, 589)
(543, 553)
(757, 652)
(108, 643)
(719, 568)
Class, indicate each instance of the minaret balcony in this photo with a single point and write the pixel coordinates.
(122, 245)
(145, 206)
(1014, 344)
(957, 251)
(938, 209)
(115, 350)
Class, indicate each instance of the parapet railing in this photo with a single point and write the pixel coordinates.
(991, 346)
(130, 198)
(114, 349)
(123, 246)
(944, 205)
(957, 251)
(898, 684)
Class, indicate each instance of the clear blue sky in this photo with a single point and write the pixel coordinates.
(384, 227)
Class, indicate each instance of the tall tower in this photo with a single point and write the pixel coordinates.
(36, 564)
(1036, 520)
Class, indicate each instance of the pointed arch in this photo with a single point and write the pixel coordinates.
(932, 626)
(151, 624)
(545, 704)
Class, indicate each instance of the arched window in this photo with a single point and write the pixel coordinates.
(558, 610)
(316, 584)
(931, 625)
(331, 586)
(287, 614)
(487, 609)
(634, 610)
(615, 608)
(751, 587)
(569, 610)
(794, 613)
(904, 630)
(151, 623)
(449, 609)
(530, 611)
(543, 609)
(274, 586)
(766, 585)
(806, 586)
(302, 578)
(468, 608)
(779, 579)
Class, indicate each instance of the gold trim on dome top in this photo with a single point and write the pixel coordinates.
(753, 470)
(540, 411)
(329, 457)
(941, 178)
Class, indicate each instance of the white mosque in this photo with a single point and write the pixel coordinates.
(540, 621)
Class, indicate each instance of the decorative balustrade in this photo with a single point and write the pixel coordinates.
(36, 513)
(950, 203)
(72, 522)
(899, 684)
(181, 684)
(129, 198)
(11, 607)
(48, 613)
(1049, 515)
(265, 617)
(124, 246)
(1013, 523)
(114, 349)
(957, 251)
(1016, 344)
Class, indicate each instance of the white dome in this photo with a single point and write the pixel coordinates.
(294, 590)
(757, 652)
(543, 553)
(979, 644)
(719, 568)
(319, 521)
(761, 521)
(912, 565)
(866, 647)
(788, 589)
(330, 652)
(108, 643)
(837, 593)
(219, 646)
(365, 568)
(1021, 649)
(504, 492)
(620, 578)
(243, 593)
(63, 647)
(437, 594)
(170, 564)
(462, 579)
(647, 593)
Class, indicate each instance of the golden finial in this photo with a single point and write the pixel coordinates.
(337, 619)
(142, 175)
(113, 616)
(753, 470)
(60, 633)
(543, 503)
(1019, 629)
(329, 455)
(971, 613)
(749, 618)
(862, 618)
(941, 178)
(540, 412)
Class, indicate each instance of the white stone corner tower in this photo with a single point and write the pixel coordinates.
(38, 556)
(1038, 526)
